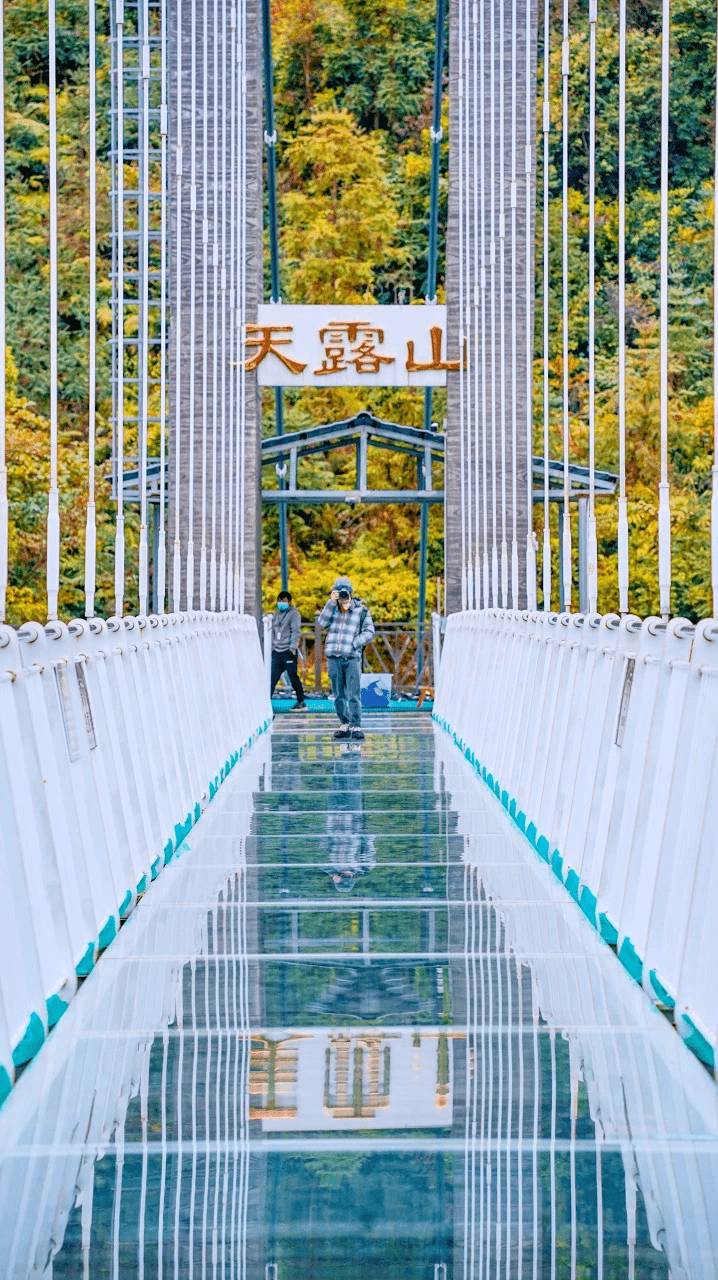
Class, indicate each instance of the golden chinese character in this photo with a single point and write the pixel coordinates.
(436, 361)
(262, 336)
(342, 334)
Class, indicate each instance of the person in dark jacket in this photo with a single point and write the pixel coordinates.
(350, 628)
(286, 627)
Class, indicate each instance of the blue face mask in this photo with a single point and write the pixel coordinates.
(282, 605)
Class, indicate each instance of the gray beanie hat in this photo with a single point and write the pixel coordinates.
(343, 584)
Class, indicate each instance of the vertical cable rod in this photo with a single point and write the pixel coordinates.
(205, 313)
(215, 302)
(546, 556)
(591, 547)
(502, 309)
(223, 298)
(90, 519)
(528, 166)
(664, 510)
(4, 512)
(482, 212)
(492, 280)
(143, 367)
(231, 422)
(176, 560)
(161, 566)
(566, 533)
(461, 142)
(471, 312)
(191, 416)
(514, 366)
(120, 424)
(242, 317)
(53, 504)
(623, 572)
(479, 274)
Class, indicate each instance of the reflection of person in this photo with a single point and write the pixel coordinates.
(286, 627)
(350, 852)
(350, 628)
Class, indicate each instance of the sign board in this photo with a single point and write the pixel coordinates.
(349, 346)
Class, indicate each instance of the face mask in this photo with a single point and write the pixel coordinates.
(282, 605)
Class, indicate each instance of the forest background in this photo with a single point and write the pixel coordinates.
(353, 93)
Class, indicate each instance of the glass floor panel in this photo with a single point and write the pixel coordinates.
(358, 1029)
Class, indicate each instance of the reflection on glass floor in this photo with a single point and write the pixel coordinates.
(358, 1030)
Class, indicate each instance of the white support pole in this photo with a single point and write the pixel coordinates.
(53, 506)
(623, 573)
(566, 533)
(471, 301)
(591, 548)
(161, 566)
(4, 514)
(176, 557)
(120, 424)
(223, 295)
(546, 556)
(90, 522)
(143, 364)
(528, 166)
(664, 510)
(241, 352)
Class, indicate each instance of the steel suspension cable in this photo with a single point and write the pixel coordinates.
(566, 533)
(242, 313)
(483, 594)
(223, 296)
(714, 495)
(120, 222)
(504, 568)
(528, 166)
(664, 511)
(546, 556)
(232, 311)
(53, 505)
(492, 279)
(4, 512)
(176, 558)
(143, 367)
(514, 368)
(215, 302)
(189, 567)
(591, 547)
(205, 314)
(461, 92)
(90, 519)
(623, 571)
(161, 567)
(471, 301)
(477, 186)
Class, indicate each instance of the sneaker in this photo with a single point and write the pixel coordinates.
(343, 732)
(299, 706)
(357, 734)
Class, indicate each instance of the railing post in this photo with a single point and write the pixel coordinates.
(435, 648)
(267, 646)
(317, 656)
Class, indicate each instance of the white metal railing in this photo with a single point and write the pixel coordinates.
(598, 734)
(114, 736)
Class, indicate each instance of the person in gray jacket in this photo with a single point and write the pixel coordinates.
(286, 628)
(350, 628)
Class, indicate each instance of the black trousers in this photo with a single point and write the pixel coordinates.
(285, 660)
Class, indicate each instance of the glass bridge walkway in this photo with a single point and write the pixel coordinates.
(356, 1030)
